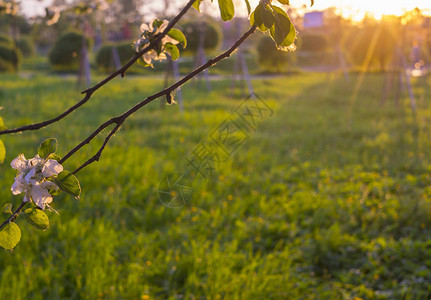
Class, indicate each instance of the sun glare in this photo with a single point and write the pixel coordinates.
(356, 10)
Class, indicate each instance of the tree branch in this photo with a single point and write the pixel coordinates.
(89, 92)
(122, 118)
(14, 215)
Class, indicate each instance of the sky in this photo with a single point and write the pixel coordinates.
(355, 9)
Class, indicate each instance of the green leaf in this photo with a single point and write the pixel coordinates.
(290, 38)
(10, 236)
(173, 50)
(47, 147)
(281, 28)
(227, 10)
(247, 3)
(68, 183)
(284, 2)
(283, 32)
(2, 152)
(267, 17)
(178, 36)
(157, 23)
(2, 127)
(54, 192)
(54, 156)
(256, 18)
(7, 208)
(280, 11)
(37, 218)
(197, 4)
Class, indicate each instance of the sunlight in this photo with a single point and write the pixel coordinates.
(356, 10)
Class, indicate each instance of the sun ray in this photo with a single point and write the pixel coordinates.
(364, 68)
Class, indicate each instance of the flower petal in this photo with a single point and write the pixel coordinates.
(147, 58)
(40, 195)
(163, 26)
(19, 163)
(18, 186)
(136, 45)
(35, 161)
(144, 27)
(30, 175)
(51, 167)
(26, 198)
(168, 39)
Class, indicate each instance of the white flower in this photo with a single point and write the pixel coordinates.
(144, 27)
(150, 28)
(168, 39)
(32, 178)
(148, 33)
(152, 55)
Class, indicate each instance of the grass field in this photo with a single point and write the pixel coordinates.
(330, 198)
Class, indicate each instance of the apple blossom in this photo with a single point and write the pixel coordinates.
(33, 179)
(149, 31)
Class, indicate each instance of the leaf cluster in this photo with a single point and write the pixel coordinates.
(269, 17)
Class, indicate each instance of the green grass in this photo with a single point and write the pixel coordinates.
(330, 198)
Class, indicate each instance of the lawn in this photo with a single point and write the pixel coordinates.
(329, 198)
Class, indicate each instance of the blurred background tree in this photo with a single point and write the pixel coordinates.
(105, 60)
(66, 52)
(10, 55)
(192, 31)
(270, 58)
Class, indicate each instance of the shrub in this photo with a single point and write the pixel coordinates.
(104, 59)
(270, 57)
(4, 39)
(26, 46)
(314, 50)
(67, 50)
(313, 43)
(10, 57)
(192, 30)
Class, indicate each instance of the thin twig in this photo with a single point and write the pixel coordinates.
(14, 215)
(99, 153)
(122, 118)
(89, 92)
